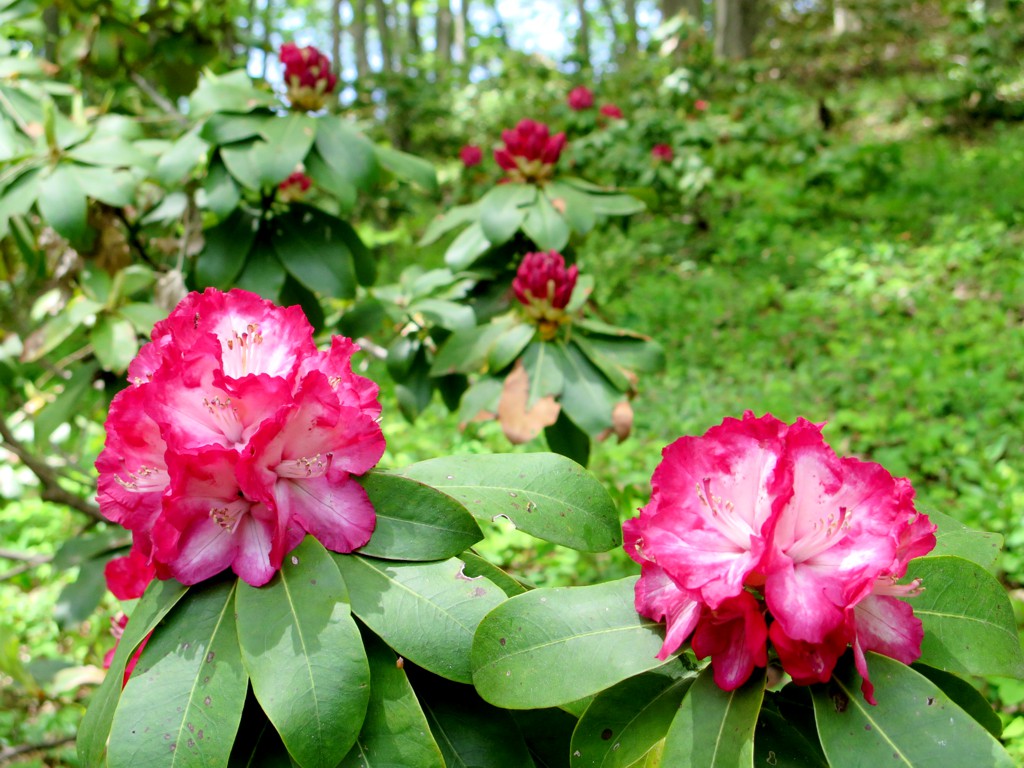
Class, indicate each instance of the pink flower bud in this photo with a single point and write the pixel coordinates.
(471, 155)
(700, 105)
(530, 152)
(662, 152)
(544, 286)
(294, 187)
(611, 110)
(308, 75)
(580, 98)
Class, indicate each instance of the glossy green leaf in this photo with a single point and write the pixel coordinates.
(468, 350)
(415, 521)
(408, 167)
(332, 179)
(446, 222)
(78, 600)
(62, 203)
(447, 314)
(220, 192)
(142, 316)
(307, 243)
(969, 626)
(639, 355)
(552, 646)
(626, 721)
(587, 396)
(395, 732)
(184, 700)
(363, 259)
(113, 186)
(159, 599)
(545, 495)
(577, 207)
(611, 370)
(348, 152)
(465, 249)
(263, 273)
(470, 732)
(305, 656)
(715, 728)
(114, 342)
(480, 400)
(566, 439)
(616, 204)
(107, 151)
(478, 566)
(965, 696)
(227, 246)
(181, 159)
(268, 161)
(546, 226)
(503, 209)
(543, 363)
(778, 743)
(230, 92)
(59, 328)
(71, 400)
(427, 612)
(914, 723)
(509, 345)
(955, 538)
(229, 128)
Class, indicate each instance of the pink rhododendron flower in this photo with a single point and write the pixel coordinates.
(580, 98)
(117, 630)
(294, 187)
(127, 577)
(308, 75)
(611, 110)
(530, 152)
(662, 152)
(471, 155)
(235, 439)
(544, 287)
(757, 529)
(700, 105)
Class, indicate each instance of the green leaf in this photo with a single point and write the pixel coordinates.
(467, 350)
(968, 622)
(965, 696)
(914, 723)
(456, 217)
(184, 700)
(566, 439)
(470, 732)
(415, 521)
(332, 179)
(467, 247)
(545, 495)
(578, 210)
(115, 187)
(548, 734)
(225, 251)
(78, 600)
(305, 656)
(640, 355)
(59, 328)
(94, 729)
(62, 204)
(778, 743)
(230, 92)
(447, 314)
(395, 732)
(509, 345)
(348, 152)
(481, 398)
(409, 167)
(427, 612)
(181, 159)
(268, 161)
(221, 195)
(955, 538)
(615, 204)
(107, 151)
(626, 721)
(69, 402)
(362, 258)
(611, 370)
(587, 397)
(503, 209)
(552, 646)
(546, 226)
(228, 128)
(715, 728)
(114, 342)
(263, 273)
(307, 243)
(478, 566)
(543, 363)
(142, 316)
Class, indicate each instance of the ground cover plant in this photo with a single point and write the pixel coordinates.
(810, 233)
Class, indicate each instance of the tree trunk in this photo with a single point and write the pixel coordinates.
(465, 28)
(51, 23)
(613, 26)
(444, 36)
(632, 29)
(412, 25)
(336, 30)
(359, 39)
(735, 26)
(387, 52)
(583, 35)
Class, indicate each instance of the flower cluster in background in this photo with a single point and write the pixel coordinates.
(758, 531)
(530, 151)
(308, 75)
(234, 439)
(580, 98)
(471, 155)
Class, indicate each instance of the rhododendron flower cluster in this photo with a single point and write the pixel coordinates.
(544, 287)
(662, 152)
(235, 438)
(294, 187)
(580, 98)
(471, 155)
(308, 75)
(758, 531)
(700, 105)
(611, 110)
(530, 152)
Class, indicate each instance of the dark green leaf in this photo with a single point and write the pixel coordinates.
(543, 363)
(427, 612)
(467, 351)
(546, 226)
(965, 696)
(415, 521)
(480, 400)
(220, 190)
(715, 728)
(184, 700)
(115, 187)
(78, 600)
(509, 345)
(587, 397)
(478, 566)
(566, 439)
(552, 646)
(615, 374)
(408, 167)
(395, 732)
(362, 319)
(350, 154)
(545, 495)
(305, 656)
(914, 723)
(229, 128)
(456, 217)
(62, 204)
(778, 743)
(626, 721)
(263, 273)
(308, 245)
(94, 729)
(331, 179)
(227, 247)
(181, 159)
(630, 353)
(401, 354)
(968, 622)
(503, 209)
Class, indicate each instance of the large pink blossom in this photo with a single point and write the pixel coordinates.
(236, 438)
(757, 529)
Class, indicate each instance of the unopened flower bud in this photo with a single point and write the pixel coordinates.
(544, 287)
(307, 73)
(580, 98)
(530, 152)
